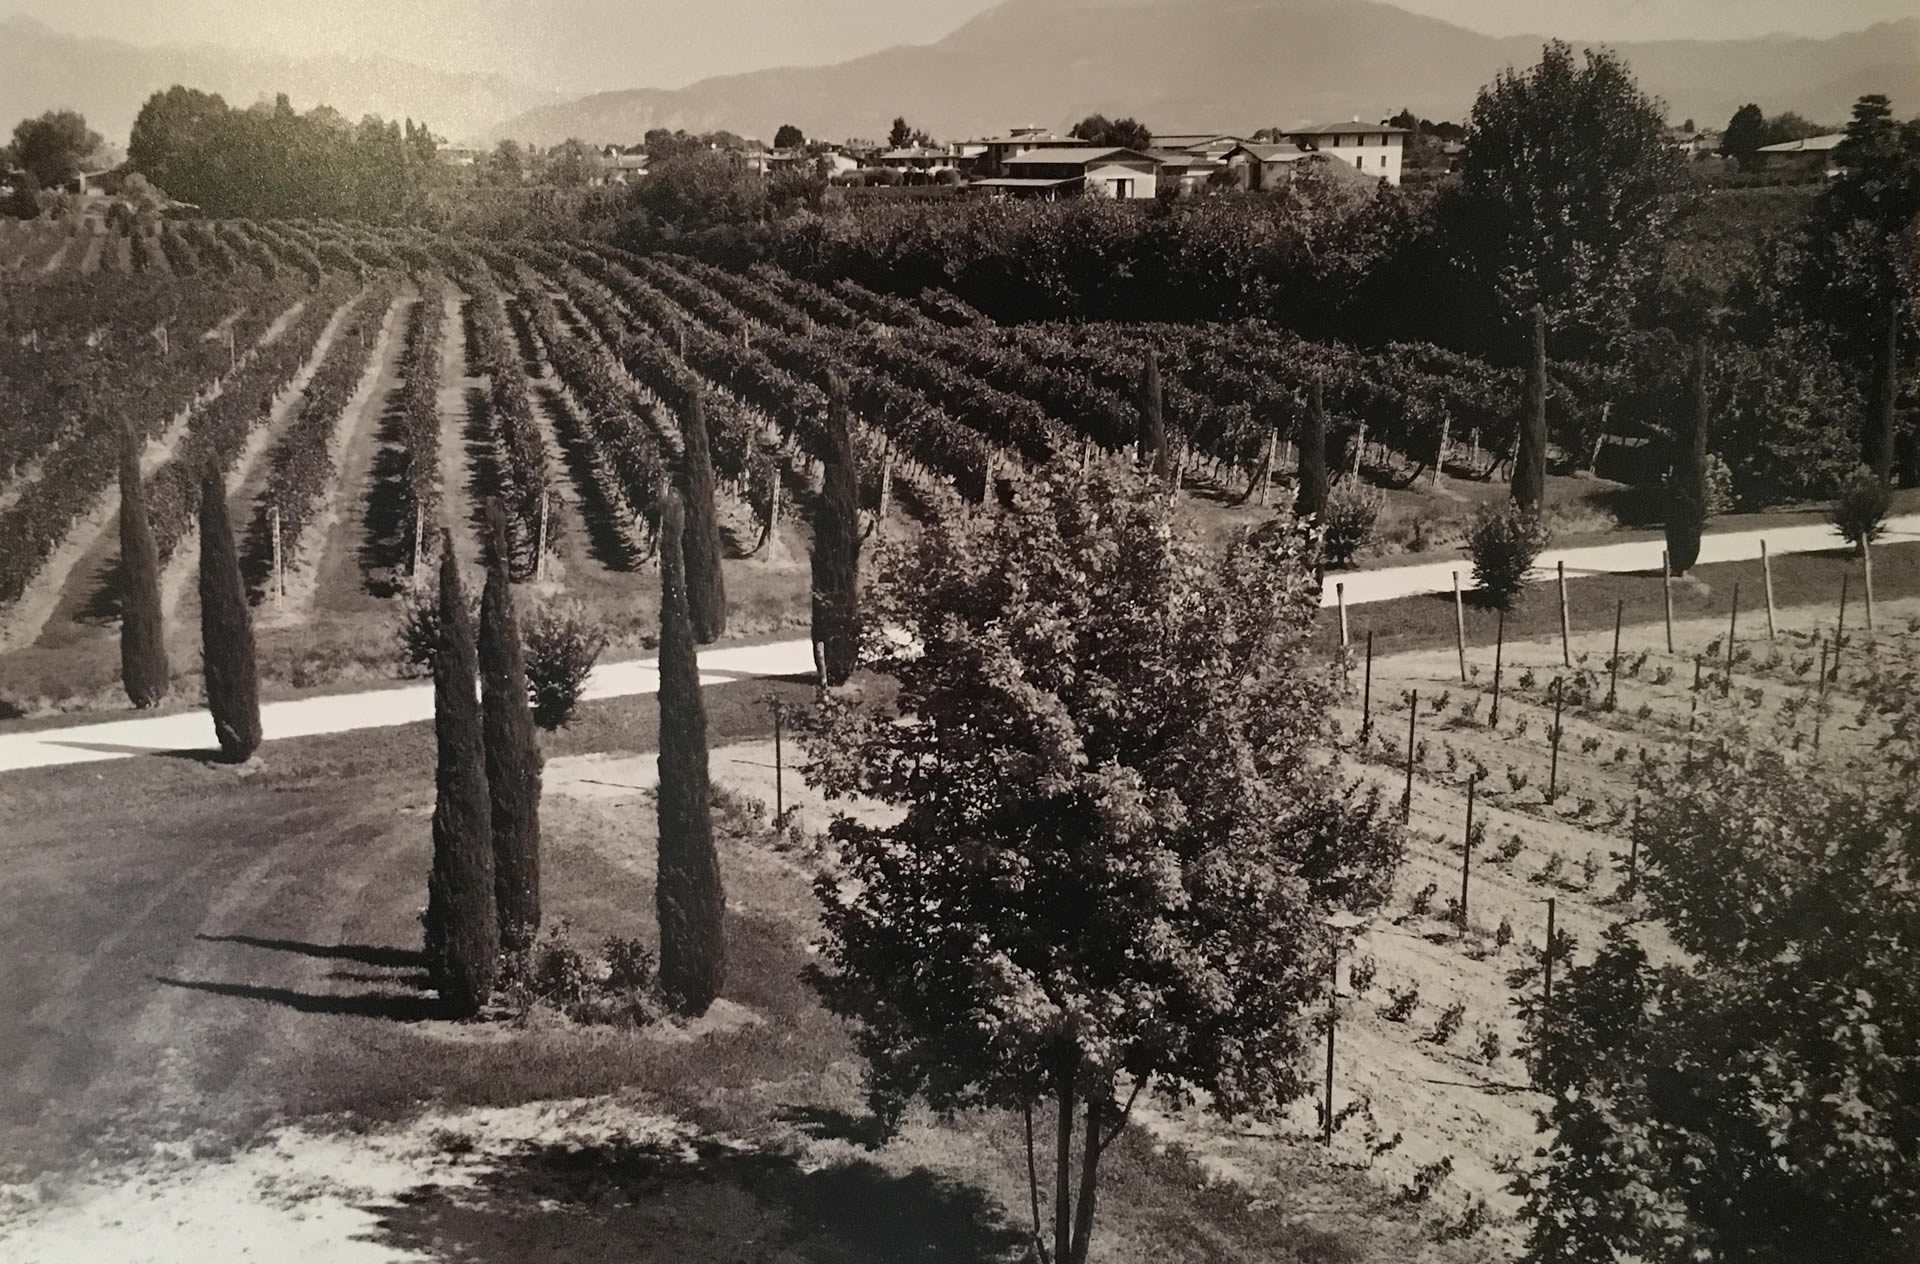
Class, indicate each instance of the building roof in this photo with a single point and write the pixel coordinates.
(1078, 154)
(1006, 183)
(1271, 153)
(1812, 144)
(1048, 139)
(1346, 129)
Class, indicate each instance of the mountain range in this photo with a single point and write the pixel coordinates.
(108, 80)
(1192, 65)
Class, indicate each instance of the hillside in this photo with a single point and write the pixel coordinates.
(1196, 64)
(108, 80)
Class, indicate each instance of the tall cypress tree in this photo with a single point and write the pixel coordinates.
(691, 901)
(143, 633)
(1530, 458)
(513, 752)
(1153, 419)
(1883, 392)
(226, 629)
(463, 928)
(836, 545)
(1687, 485)
(706, 586)
(1312, 496)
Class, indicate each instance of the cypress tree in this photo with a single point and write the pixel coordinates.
(1885, 389)
(706, 586)
(513, 752)
(836, 546)
(691, 902)
(1311, 498)
(1153, 421)
(226, 629)
(1530, 459)
(143, 635)
(463, 930)
(1687, 485)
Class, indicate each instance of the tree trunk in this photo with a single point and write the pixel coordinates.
(1063, 1163)
(1530, 461)
(1885, 390)
(1312, 496)
(1089, 1181)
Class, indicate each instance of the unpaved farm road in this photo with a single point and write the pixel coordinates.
(342, 713)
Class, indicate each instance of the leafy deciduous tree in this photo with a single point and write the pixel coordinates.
(52, 148)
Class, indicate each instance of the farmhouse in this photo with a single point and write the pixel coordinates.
(1374, 148)
(1258, 167)
(1186, 172)
(995, 152)
(1814, 154)
(1070, 171)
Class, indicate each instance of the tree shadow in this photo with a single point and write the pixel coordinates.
(363, 954)
(411, 1008)
(107, 598)
(607, 544)
(387, 547)
(256, 550)
(485, 479)
(826, 1123)
(647, 1202)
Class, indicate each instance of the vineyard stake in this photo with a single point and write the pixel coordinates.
(1693, 712)
(820, 663)
(1866, 562)
(1266, 474)
(1366, 697)
(279, 572)
(1440, 456)
(1840, 630)
(779, 788)
(1406, 797)
(1766, 574)
(1733, 628)
(1499, 650)
(1820, 700)
(1466, 855)
(1340, 598)
(1566, 647)
(1547, 1000)
(1460, 626)
(540, 541)
(1613, 664)
(1666, 591)
(1633, 852)
(419, 527)
(1553, 767)
(886, 479)
(1333, 1014)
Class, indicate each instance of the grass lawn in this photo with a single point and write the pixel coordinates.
(199, 957)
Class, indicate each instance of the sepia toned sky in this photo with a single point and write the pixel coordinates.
(585, 45)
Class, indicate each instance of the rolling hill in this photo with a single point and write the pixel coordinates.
(1183, 65)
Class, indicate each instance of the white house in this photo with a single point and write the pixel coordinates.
(1373, 148)
(1070, 171)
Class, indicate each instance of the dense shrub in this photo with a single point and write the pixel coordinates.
(1503, 543)
(418, 632)
(1720, 495)
(1860, 510)
(562, 646)
(1348, 520)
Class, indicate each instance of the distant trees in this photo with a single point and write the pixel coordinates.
(903, 136)
(689, 895)
(226, 629)
(572, 164)
(698, 190)
(789, 137)
(1065, 916)
(836, 546)
(1570, 217)
(462, 919)
(1745, 133)
(267, 161)
(507, 164)
(702, 547)
(143, 632)
(513, 752)
(1126, 133)
(52, 148)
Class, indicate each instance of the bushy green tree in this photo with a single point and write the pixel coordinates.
(462, 920)
(1746, 132)
(689, 895)
(143, 630)
(1125, 133)
(226, 629)
(513, 751)
(52, 148)
(789, 137)
(706, 582)
(1567, 185)
(1118, 826)
(1757, 1099)
(836, 546)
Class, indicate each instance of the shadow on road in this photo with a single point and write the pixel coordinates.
(643, 1202)
(365, 954)
(412, 1008)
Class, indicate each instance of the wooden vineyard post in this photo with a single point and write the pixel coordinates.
(279, 570)
(1333, 1013)
(1733, 629)
(1359, 449)
(779, 787)
(820, 663)
(1499, 651)
(1466, 854)
(1613, 664)
(1413, 720)
(1766, 575)
(1473, 460)
(1086, 451)
(1866, 562)
(773, 514)
(1840, 629)
(1546, 1002)
(1633, 852)
(419, 529)
(1693, 712)
(1666, 593)
(1460, 626)
(1366, 697)
(1266, 473)
(1340, 599)
(540, 541)
(1566, 644)
(1553, 766)
(1440, 454)
(1820, 699)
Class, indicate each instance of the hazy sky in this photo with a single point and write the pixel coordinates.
(583, 45)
